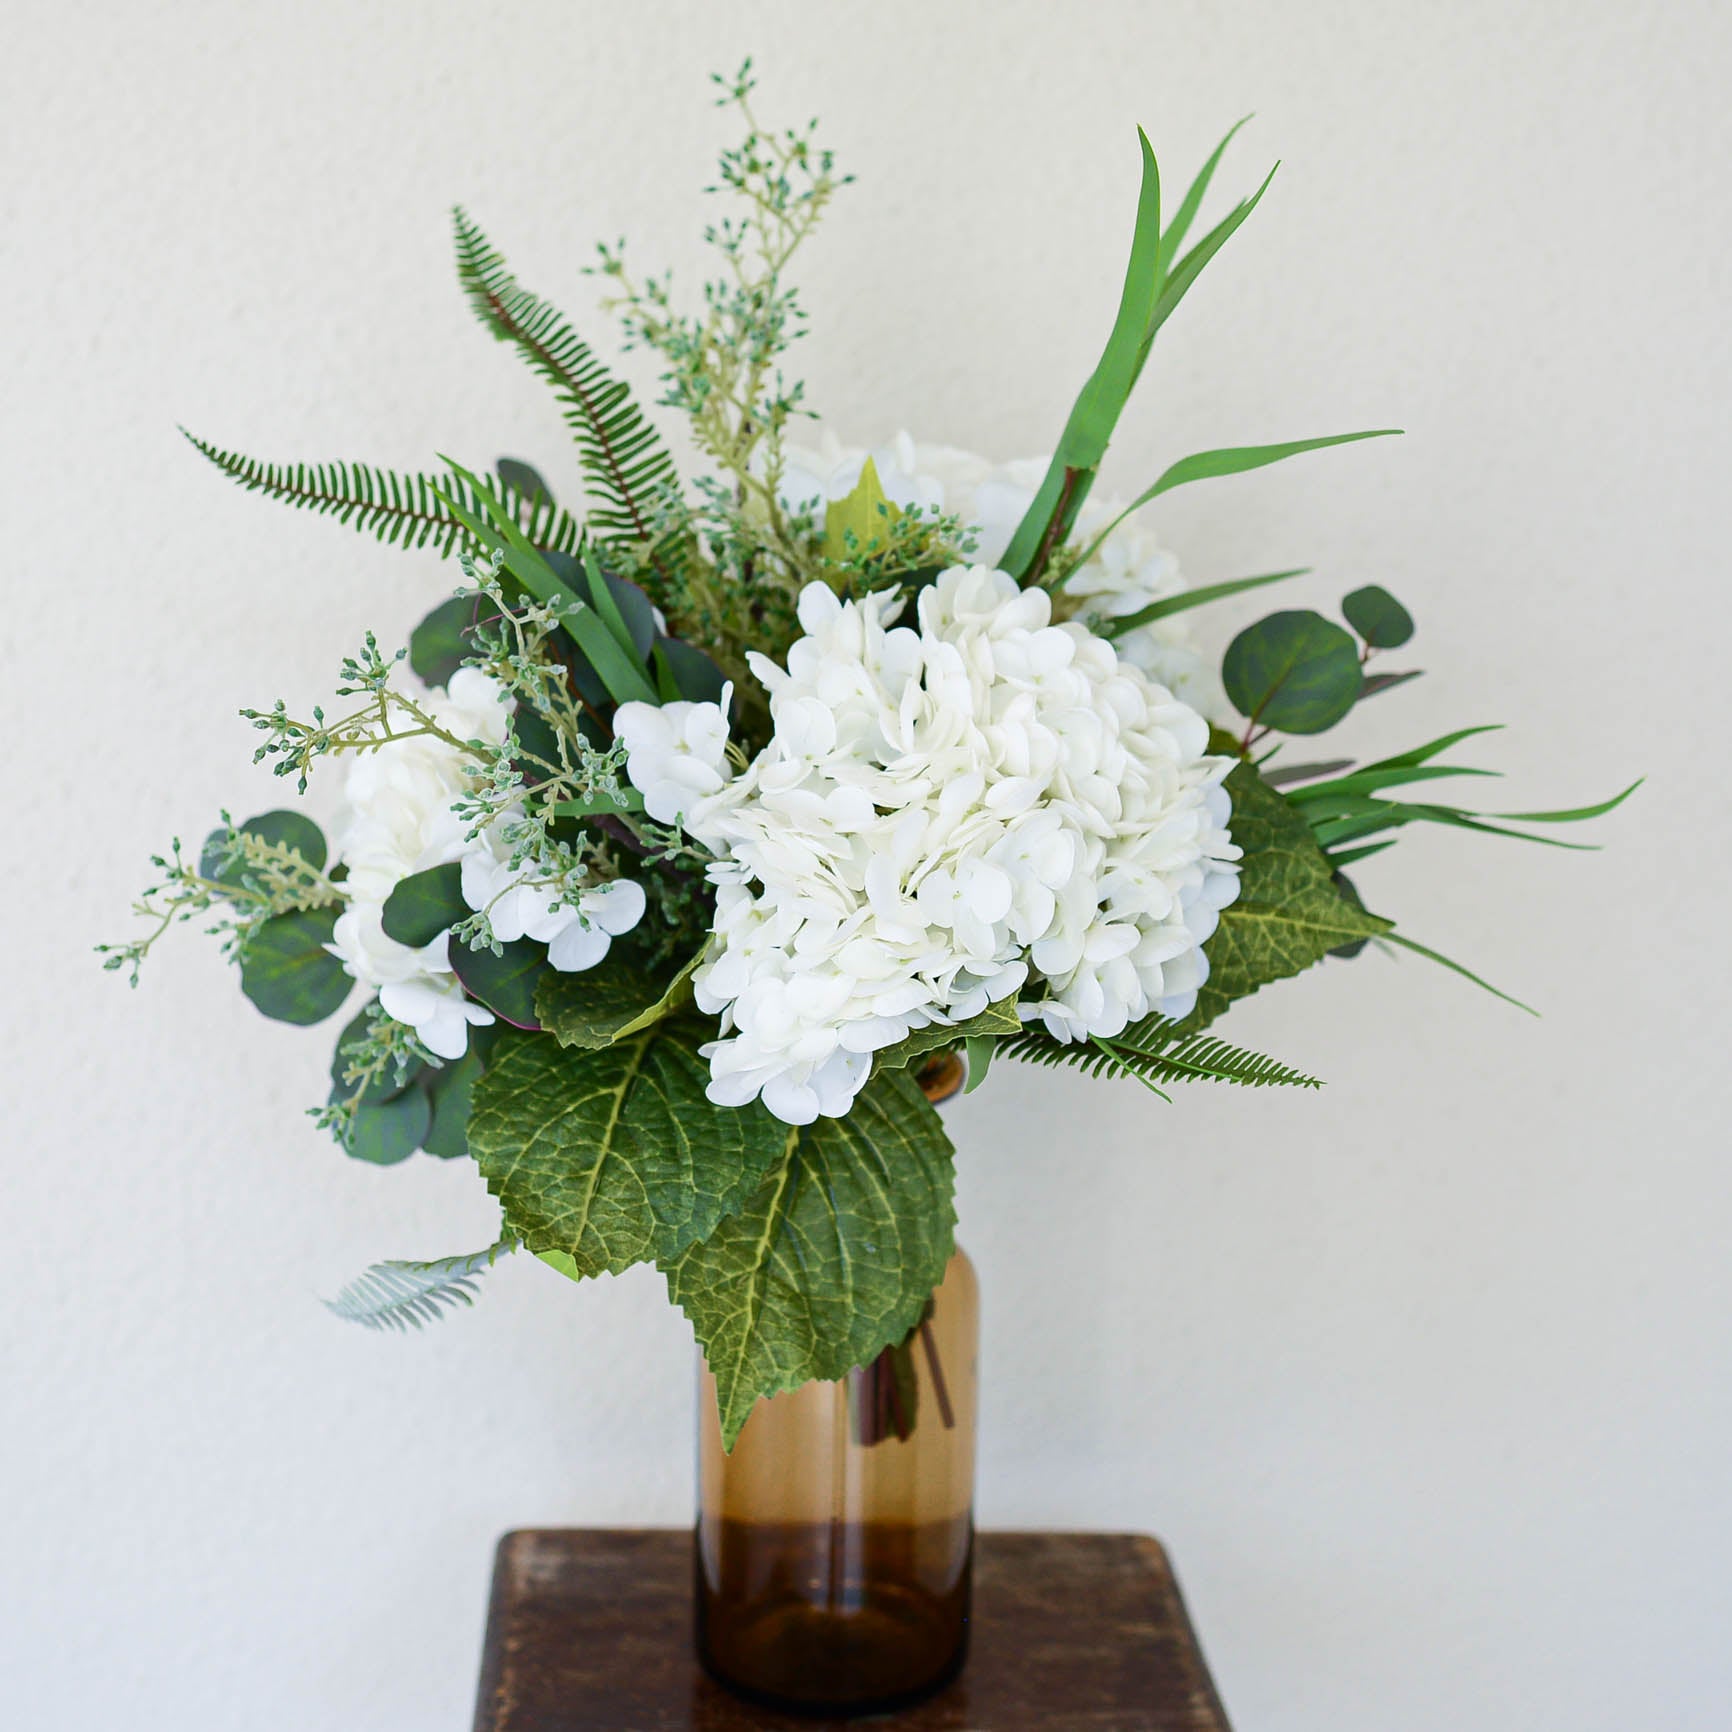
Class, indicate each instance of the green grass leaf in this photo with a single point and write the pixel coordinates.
(611, 1156)
(1190, 598)
(1443, 961)
(1180, 226)
(833, 1257)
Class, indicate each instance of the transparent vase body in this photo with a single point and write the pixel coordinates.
(835, 1542)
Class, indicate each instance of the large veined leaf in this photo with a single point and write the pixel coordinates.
(1289, 913)
(606, 1157)
(833, 1257)
(601, 1004)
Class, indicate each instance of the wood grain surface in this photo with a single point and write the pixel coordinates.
(590, 1628)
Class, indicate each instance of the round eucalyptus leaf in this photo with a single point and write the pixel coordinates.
(505, 983)
(288, 973)
(386, 1132)
(1378, 617)
(448, 1091)
(695, 676)
(1295, 671)
(285, 829)
(525, 477)
(444, 640)
(382, 1088)
(424, 904)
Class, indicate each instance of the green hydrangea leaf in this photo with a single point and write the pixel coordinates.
(1295, 671)
(1000, 1018)
(1290, 912)
(833, 1257)
(287, 971)
(616, 997)
(424, 904)
(614, 1155)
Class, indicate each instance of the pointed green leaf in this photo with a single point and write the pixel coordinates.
(1000, 1018)
(1187, 599)
(1186, 214)
(867, 514)
(1443, 961)
(611, 1156)
(834, 1256)
(604, 1003)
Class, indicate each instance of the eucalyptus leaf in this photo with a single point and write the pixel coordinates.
(283, 829)
(695, 677)
(611, 1156)
(525, 477)
(425, 904)
(1295, 671)
(386, 1132)
(506, 982)
(450, 1092)
(288, 973)
(832, 1258)
(445, 640)
(383, 1087)
(1378, 617)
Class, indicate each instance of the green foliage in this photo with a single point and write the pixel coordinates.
(996, 1019)
(1186, 599)
(450, 1089)
(832, 1258)
(1289, 913)
(1378, 617)
(632, 482)
(1156, 1052)
(288, 973)
(616, 998)
(425, 904)
(444, 640)
(1295, 671)
(403, 1296)
(386, 1132)
(403, 510)
(292, 834)
(504, 978)
(613, 1155)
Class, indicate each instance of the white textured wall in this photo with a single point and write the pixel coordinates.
(1424, 1379)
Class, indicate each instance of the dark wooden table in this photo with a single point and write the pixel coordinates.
(590, 1631)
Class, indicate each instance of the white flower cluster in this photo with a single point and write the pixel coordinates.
(941, 813)
(399, 820)
(1131, 569)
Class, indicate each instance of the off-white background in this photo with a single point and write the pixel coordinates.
(1423, 1379)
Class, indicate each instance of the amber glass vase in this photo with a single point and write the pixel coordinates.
(835, 1542)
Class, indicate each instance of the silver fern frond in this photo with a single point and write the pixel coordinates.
(403, 1295)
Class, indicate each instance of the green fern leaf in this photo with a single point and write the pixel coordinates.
(404, 1296)
(1153, 1056)
(632, 477)
(403, 510)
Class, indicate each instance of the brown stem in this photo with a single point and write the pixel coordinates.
(945, 1411)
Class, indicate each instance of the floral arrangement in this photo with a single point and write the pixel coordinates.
(690, 828)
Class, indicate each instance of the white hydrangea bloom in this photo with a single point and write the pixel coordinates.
(576, 938)
(675, 753)
(398, 821)
(941, 811)
(1131, 569)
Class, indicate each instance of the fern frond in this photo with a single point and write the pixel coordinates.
(1142, 1053)
(405, 1295)
(400, 509)
(631, 474)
